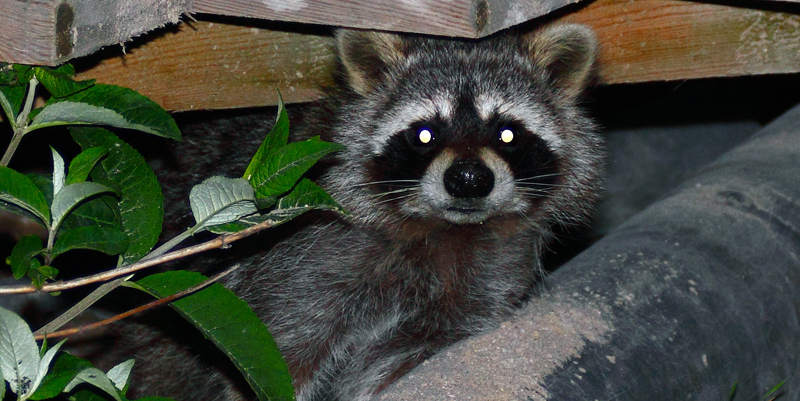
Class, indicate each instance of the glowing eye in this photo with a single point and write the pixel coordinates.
(506, 135)
(424, 136)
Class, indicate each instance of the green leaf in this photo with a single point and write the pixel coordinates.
(733, 391)
(772, 391)
(83, 163)
(108, 105)
(284, 166)
(308, 195)
(120, 374)
(97, 378)
(19, 355)
(88, 393)
(70, 196)
(2, 386)
(220, 200)
(8, 76)
(44, 182)
(11, 98)
(64, 369)
(19, 190)
(59, 171)
(102, 211)
(26, 249)
(39, 274)
(44, 365)
(58, 82)
(233, 327)
(45, 185)
(109, 240)
(277, 138)
(304, 196)
(65, 69)
(141, 201)
(24, 72)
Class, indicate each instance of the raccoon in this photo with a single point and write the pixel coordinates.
(461, 157)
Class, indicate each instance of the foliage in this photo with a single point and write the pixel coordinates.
(107, 199)
(29, 376)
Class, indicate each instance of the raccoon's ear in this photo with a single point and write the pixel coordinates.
(367, 55)
(567, 52)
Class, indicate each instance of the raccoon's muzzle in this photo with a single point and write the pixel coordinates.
(469, 178)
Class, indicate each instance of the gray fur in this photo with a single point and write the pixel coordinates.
(355, 301)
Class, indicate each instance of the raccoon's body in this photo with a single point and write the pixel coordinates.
(461, 156)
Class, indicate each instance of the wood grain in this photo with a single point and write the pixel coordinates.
(27, 31)
(50, 32)
(452, 18)
(208, 65)
(216, 65)
(648, 40)
(457, 18)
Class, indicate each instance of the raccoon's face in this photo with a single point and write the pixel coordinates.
(460, 161)
(464, 133)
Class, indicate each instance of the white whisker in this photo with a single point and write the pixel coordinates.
(396, 198)
(539, 177)
(396, 191)
(390, 182)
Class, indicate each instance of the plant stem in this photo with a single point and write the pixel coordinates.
(22, 118)
(223, 241)
(22, 123)
(81, 306)
(171, 243)
(12, 147)
(106, 288)
(142, 308)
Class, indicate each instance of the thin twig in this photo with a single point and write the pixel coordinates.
(151, 305)
(21, 124)
(216, 243)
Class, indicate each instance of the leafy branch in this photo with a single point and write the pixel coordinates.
(108, 200)
(73, 103)
(134, 311)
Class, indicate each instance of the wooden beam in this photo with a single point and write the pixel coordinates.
(209, 65)
(652, 40)
(213, 65)
(27, 31)
(460, 18)
(49, 32)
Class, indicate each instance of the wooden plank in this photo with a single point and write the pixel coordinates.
(458, 18)
(208, 65)
(49, 32)
(27, 31)
(215, 65)
(53, 31)
(452, 18)
(651, 40)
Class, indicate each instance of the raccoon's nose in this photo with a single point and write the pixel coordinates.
(468, 179)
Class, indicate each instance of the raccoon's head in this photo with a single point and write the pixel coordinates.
(454, 133)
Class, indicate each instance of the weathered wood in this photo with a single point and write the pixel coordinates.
(208, 65)
(49, 32)
(27, 31)
(213, 65)
(462, 18)
(647, 40)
